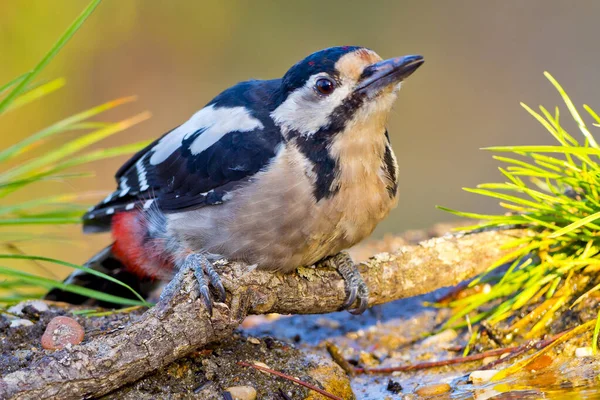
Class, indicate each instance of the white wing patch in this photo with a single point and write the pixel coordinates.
(141, 172)
(124, 187)
(216, 122)
(148, 203)
(305, 111)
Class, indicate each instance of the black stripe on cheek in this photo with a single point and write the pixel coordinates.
(390, 171)
(324, 166)
(315, 147)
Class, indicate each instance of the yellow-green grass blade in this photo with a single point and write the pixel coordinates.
(45, 161)
(11, 83)
(537, 195)
(68, 211)
(475, 215)
(102, 154)
(75, 266)
(573, 110)
(12, 186)
(572, 227)
(509, 198)
(523, 164)
(596, 333)
(62, 41)
(7, 188)
(592, 113)
(68, 123)
(585, 151)
(52, 284)
(17, 298)
(40, 221)
(60, 200)
(545, 124)
(11, 284)
(36, 93)
(555, 120)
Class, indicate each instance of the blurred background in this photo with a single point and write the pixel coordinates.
(482, 59)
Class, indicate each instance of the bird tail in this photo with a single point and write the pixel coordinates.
(106, 262)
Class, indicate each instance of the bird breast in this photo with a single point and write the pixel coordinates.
(275, 221)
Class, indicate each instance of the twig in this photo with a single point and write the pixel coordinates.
(512, 352)
(339, 359)
(532, 344)
(291, 378)
(125, 310)
(552, 342)
(283, 395)
(433, 364)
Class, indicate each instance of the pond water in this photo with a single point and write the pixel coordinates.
(389, 335)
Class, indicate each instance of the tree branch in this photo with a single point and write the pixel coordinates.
(180, 324)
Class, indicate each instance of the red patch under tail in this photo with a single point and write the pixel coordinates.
(142, 254)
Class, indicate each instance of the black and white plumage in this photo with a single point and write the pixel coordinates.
(279, 173)
(199, 162)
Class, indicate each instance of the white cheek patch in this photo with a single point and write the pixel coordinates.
(305, 111)
(215, 122)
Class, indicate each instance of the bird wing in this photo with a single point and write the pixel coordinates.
(194, 165)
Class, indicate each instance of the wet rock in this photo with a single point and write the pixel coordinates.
(242, 392)
(394, 387)
(4, 323)
(253, 340)
(332, 378)
(583, 352)
(261, 364)
(433, 390)
(61, 332)
(441, 338)
(368, 359)
(490, 359)
(15, 323)
(327, 323)
(37, 305)
(482, 376)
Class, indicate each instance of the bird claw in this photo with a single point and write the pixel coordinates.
(215, 281)
(351, 298)
(206, 299)
(355, 286)
(363, 297)
(202, 269)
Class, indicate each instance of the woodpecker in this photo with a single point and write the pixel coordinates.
(276, 173)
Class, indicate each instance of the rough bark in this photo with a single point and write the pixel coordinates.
(180, 324)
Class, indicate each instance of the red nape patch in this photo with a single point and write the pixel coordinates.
(141, 255)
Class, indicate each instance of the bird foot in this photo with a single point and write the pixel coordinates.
(355, 285)
(205, 274)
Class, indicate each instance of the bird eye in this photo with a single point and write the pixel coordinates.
(324, 86)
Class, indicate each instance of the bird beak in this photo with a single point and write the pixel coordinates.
(380, 75)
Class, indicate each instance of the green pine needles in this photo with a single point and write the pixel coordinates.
(554, 192)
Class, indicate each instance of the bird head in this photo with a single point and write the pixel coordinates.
(334, 87)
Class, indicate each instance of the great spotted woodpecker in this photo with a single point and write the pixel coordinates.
(278, 173)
